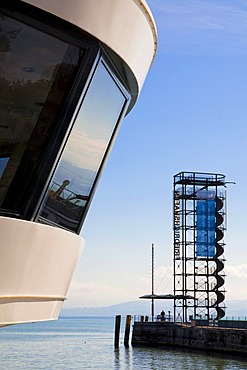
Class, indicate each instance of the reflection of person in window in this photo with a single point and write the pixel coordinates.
(60, 189)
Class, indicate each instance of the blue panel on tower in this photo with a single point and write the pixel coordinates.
(205, 228)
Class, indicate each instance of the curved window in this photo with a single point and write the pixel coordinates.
(93, 129)
(36, 74)
(60, 106)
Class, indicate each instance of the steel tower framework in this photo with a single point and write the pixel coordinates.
(199, 225)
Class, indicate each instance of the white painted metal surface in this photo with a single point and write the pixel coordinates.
(125, 26)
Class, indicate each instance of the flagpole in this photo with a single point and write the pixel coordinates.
(152, 304)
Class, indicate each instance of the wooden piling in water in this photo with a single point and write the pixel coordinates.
(127, 330)
(117, 330)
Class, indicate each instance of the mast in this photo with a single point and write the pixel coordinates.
(152, 303)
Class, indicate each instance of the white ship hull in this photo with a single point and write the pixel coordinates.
(36, 266)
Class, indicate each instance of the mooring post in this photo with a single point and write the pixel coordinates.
(117, 330)
(127, 330)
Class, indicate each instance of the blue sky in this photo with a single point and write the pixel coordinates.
(191, 116)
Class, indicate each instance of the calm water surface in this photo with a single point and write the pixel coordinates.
(87, 343)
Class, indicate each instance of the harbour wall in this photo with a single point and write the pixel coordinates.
(211, 339)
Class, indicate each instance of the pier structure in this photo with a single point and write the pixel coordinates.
(199, 222)
(198, 321)
(223, 339)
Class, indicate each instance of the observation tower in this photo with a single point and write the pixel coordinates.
(199, 225)
(69, 73)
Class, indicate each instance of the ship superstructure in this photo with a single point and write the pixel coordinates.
(69, 72)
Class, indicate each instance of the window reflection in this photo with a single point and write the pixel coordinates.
(3, 164)
(93, 128)
(35, 74)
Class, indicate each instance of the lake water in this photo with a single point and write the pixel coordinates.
(88, 343)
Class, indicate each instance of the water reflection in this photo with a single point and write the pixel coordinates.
(167, 359)
(87, 343)
(117, 359)
(128, 357)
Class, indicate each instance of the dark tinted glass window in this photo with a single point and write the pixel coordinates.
(93, 128)
(36, 70)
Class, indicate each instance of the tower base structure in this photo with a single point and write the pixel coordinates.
(199, 227)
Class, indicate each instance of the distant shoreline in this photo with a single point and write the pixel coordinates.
(236, 308)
